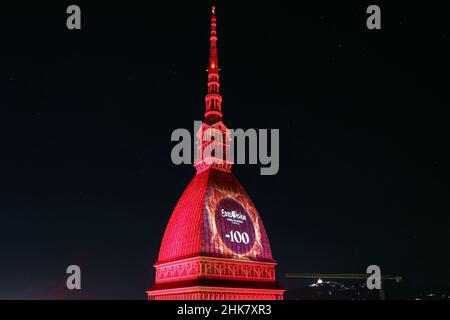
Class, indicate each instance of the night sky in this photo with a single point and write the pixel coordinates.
(86, 117)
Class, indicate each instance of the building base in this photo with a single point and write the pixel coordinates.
(215, 293)
(208, 278)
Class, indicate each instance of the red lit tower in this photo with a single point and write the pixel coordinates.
(215, 246)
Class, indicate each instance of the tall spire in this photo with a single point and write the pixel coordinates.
(213, 137)
(213, 99)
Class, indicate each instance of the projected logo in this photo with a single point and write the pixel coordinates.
(234, 226)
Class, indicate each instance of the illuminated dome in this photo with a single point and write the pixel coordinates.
(197, 222)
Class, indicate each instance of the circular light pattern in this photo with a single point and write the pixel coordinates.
(234, 226)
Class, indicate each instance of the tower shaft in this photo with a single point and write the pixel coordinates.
(215, 246)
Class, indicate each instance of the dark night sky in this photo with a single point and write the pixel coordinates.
(86, 118)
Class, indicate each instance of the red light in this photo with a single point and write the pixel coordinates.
(189, 231)
(196, 260)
